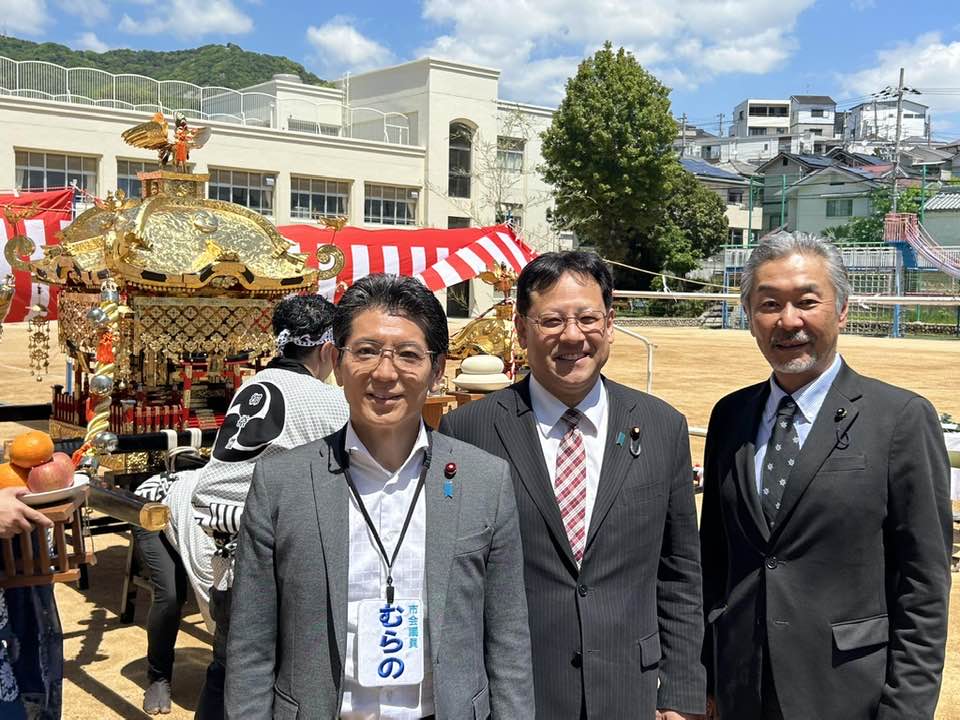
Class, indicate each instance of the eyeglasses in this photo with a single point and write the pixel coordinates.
(589, 321)
(368, 355)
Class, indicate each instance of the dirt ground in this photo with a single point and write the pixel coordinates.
(105, 659)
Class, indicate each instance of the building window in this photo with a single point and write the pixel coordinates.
(816, 131)
(510, 154)
(736, 236)
(454, 222)
(758, 131)
(817, 112)
(510, 212)
(127, 179)
(734, 197)
(311, 198)
(842, 207)
(251, 189)
(461, 143)
(50, 171)
(387, 205)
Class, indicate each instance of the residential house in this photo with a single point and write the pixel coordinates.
(826, 198)
(743, 149)
(690, 139)
(814, 117)
(877, 120)
(743, 216)
(756, 117)
(843, 156)
(941, 216)
(779, 173)
(928, 162)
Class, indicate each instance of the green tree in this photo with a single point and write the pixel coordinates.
(869, 229)
(693, 226)
(609, 156)
(608, 153)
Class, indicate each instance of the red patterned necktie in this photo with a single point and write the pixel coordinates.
(570, 484)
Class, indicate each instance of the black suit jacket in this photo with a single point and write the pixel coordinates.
(605, 635)
(848, 594)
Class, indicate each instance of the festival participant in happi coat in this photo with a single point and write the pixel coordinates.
(826, 528)
(388, 582)
(282, 406)
(605, 495)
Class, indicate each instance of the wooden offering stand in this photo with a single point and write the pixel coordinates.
(27, 558)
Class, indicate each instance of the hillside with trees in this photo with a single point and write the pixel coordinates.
(210, 65)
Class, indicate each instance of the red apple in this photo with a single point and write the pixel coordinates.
(54, 474)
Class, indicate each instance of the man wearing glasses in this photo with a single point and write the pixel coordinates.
(389, 584)
(607, 515)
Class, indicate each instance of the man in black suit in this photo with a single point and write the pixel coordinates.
(607, 515)
(825, 531)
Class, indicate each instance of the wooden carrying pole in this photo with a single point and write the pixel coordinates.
(127, 507)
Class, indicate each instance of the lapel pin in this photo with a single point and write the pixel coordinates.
(449, 470)
(840, 414)
(635, 441)
(620, 438)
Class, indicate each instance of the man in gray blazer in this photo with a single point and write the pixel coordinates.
(826, 529)
(379, 571)
(604, 488)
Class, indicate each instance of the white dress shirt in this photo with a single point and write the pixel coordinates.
(387, 496)
(809, 400)
(593, 426)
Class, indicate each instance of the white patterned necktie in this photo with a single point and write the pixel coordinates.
(780, 458)
(570, 485)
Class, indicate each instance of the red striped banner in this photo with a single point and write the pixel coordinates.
(440, 258)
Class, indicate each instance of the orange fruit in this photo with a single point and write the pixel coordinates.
(12, 476)
(31, 448)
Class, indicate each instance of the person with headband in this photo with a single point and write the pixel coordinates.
(281, 407)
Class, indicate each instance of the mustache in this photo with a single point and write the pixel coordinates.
(801, 336)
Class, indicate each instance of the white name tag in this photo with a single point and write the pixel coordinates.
(390, 643)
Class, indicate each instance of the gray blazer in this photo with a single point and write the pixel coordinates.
(619, 636)
(286, 649)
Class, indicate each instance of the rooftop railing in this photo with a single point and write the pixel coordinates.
(39, 80)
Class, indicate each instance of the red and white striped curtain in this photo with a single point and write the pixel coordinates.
(440, 258)
(55, 213)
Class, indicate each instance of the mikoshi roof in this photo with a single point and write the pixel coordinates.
(176, 240)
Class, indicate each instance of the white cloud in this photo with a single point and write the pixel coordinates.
(340, 47)
(90, 12)
(932, 67)
(686, 42)
(27, 17)
(188, 20)
(90, 41)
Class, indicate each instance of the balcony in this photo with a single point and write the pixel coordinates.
(39, 80)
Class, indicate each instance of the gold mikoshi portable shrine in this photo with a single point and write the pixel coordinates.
(165, 301)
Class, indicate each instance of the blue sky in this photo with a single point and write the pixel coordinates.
(713, 53)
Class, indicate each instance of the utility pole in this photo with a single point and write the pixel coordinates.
(896, 144)
(721, 124)
(683, 134)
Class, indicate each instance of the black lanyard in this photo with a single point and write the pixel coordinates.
(406, 523)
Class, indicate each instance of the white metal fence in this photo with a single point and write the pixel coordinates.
(40, 80)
